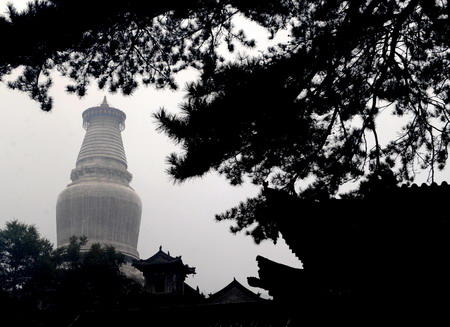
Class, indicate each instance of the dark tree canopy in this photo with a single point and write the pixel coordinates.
(93, 279)
(43, 286)
(307, 109)
(24, 257)
(118, 43)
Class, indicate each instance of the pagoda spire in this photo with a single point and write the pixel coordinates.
(105, 102)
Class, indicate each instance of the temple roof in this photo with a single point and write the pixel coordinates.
(162, 261)
(290, 285)
(348, 246)
(234, 292)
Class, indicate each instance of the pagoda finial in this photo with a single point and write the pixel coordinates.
(160, 248)
(105, 102)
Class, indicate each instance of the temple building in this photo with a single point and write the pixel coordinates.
(99, 203)
(165, 277)
(165, 280)
(164, 274)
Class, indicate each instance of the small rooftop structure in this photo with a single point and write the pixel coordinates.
(163, 273)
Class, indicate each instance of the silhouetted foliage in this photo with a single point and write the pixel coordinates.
(93, 279)
(27, 268)
(118, 44)
(25, 258)
(52, 286)
(306, 109)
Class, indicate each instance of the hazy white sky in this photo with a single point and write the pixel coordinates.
(38, 150)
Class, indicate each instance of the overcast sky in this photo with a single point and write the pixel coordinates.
(38, 150)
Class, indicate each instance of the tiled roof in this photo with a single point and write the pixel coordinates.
(163, 261)
(234, 292)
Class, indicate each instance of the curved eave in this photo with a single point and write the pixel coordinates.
(171, 266)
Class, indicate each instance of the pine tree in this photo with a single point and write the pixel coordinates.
(307, 109)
